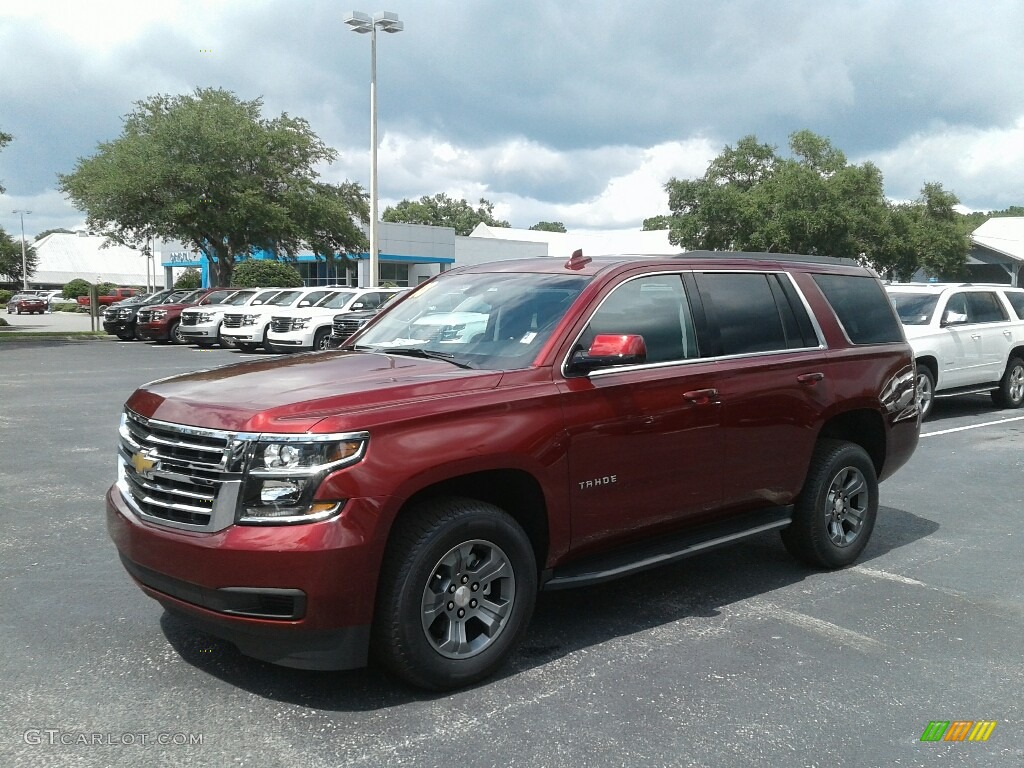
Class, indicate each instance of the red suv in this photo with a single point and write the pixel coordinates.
(404, 498)
(163, 321)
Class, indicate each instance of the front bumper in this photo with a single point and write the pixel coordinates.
(158, 330)
(295, 595)
(292, 339)
(211, 332)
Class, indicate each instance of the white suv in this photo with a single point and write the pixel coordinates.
(247, 329)
(966, 339)
(310, 327)
(202, 325)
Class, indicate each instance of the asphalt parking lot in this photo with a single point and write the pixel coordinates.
(739, 657)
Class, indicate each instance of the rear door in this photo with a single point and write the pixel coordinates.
(773, 383)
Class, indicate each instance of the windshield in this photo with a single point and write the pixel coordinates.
(218, 297)
(265, 297)
(914, 308)
(492, 320)
(284, 298)
(336, 300)
(188, 298)
(240, 298)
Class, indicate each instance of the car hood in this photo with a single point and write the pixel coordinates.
(308, 312)
(294, 393)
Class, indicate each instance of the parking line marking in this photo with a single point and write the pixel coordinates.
(888, 576)
(973, 426)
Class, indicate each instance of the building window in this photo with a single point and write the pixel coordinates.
(320, 273)
(391, 272)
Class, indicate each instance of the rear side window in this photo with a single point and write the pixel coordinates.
(984, 308)
(863, 310)
(1017, 302)
(755, 312)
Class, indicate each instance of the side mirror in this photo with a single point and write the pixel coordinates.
(953, 318)
(358, 305)
(304, 303)
(610, 350)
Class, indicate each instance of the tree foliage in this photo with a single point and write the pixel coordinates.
(58, 230)
(548, 226)
(208, 170)
(5, 139)
(442, 211)
(75, 288)
(189, 280)
(10, 258)
(813, 202)
(261, 273)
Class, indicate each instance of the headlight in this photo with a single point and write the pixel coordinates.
(124, 314)
(249, 319)
(205, 317)
(299, 323)
(286, 471)
(158, 314)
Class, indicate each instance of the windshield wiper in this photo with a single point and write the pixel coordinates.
(427, 354)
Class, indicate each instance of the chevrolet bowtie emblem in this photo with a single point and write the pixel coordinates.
(144, 465)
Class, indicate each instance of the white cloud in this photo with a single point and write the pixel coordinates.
(974, 163)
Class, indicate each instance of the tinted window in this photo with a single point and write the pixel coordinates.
(1017, 302)
(654, 307)
(752, 313)
(914, 308)
(865, 313)
(984, 307)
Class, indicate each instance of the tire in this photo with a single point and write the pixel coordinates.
(174, 334)
(925, 391)
(204, 344)
(435, 557)
(1011, 387)
(226, 342)
(836, 510)
(246, 346)
(322, 340)
(126, 336)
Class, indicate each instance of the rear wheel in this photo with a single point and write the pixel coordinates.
(457, 589)
(836, 511)
(925, 391)
(1011, 387)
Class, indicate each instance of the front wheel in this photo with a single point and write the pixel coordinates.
(125, 335)
(246, 346)
(836, 511)
(174, 334)
(456, 593)
(1011, 387)
(322, 339)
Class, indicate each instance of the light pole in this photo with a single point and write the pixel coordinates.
(24, 268)
(363, 23)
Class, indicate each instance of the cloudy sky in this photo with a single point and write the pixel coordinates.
(557, 110)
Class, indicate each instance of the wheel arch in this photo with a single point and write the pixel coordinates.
(515, 491)
(864, 427)
(931, 363)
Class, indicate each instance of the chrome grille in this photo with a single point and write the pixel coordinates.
(145, 315)
(347, 326)
(110, 315)
(232, 321)
(180, 476)
(281, 324)
(190, 318)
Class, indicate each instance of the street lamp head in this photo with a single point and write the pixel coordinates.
(388, 22)
(359, 21)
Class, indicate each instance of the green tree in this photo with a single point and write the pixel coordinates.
(58, 230)
(261, 273)
(657, 223)
(10, 258)
(75, 288)
(206, 169)
(189, 280)
(548, 226)
(442, 211)
(813, 202)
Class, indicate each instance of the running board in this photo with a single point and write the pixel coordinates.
(974, 389)
(666, 549)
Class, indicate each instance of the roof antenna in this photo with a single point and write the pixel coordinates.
(577, 260)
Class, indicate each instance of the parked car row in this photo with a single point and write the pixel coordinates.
(276, 319)
(27, 303)
(967, 339)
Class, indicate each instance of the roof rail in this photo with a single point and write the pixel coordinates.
(764, 256)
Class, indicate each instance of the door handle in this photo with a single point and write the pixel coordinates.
(1008, 334)
(975, 336)
(700, 396)
(810, 378)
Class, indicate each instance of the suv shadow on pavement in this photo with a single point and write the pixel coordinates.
(564, 621)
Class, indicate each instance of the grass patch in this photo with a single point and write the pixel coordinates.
(68, 335)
